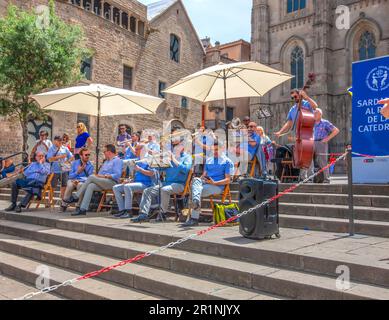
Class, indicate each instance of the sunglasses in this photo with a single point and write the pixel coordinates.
(87, 155)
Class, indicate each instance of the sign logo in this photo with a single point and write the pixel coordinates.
(378, 79)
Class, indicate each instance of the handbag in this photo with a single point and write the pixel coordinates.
(223, 212)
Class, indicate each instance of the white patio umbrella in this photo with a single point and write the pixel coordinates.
(226, 81)
(98, 100)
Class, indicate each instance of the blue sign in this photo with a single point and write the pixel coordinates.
(370, 128)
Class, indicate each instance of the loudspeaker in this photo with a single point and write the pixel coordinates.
(263, 223)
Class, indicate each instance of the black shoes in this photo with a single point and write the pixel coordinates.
(191, 223)
(141, 218)
(18, 208)
(125, 214)
(71, 200)
(63, 209)
(12, 207)
(79, 212)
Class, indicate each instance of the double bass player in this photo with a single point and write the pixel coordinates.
(309, 105)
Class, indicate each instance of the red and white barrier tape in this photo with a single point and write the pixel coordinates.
(178, 242)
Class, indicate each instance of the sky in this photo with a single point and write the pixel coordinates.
(220, 22)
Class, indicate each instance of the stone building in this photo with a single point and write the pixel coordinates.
(137, 47)
(236, 51)
(302, 36)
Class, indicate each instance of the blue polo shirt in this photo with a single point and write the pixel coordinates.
(55, 166)
(141, 178)
(113, 168)
(83, 176)
(218, 168)
(253, 150)
(38, 172)
(293, 111)
(179, 174)
(129, 154)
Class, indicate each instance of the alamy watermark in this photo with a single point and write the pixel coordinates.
(343, 20)
(343, 281)
(43, 280)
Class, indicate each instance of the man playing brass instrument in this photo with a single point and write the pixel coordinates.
(175, 180)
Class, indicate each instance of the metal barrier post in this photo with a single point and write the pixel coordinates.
(350, 191)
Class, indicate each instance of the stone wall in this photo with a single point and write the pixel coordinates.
(113, 47)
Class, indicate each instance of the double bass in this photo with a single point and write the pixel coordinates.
(304, 145)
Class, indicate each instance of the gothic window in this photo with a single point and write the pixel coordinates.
(76, 2)
(297, 67)
(295, 5)
(367, 46)
(34, 127)
(116, 16)
(127, 77)
(107, 11)
(125, 20)
(86, 68)
(230, 114)
(184, 102)
(87, 4)
(161, 87)
(97, 7)
(133, 24)
(83, 118)
(141, 28)
(174, 48)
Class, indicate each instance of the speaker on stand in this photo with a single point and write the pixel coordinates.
(263, 223)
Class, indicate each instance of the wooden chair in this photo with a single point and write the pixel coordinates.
(182, 195)
(226, 194)
(237, 172)
(47, 190)
(287, 169)
(103, 201)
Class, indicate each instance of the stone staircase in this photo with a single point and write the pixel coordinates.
(221, 265)
(321, 208)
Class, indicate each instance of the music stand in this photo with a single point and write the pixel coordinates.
(159, 162)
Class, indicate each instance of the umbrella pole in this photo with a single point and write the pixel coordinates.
(98, 131)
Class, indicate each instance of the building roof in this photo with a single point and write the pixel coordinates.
(157, 8)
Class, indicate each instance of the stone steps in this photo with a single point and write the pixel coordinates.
(275, 281)
(170, 284)
(11, 289)
(362, 227)
(23, 269)
(123, 240)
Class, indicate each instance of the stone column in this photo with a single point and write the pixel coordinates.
(102, 8)
(260, 49)
(121, 18)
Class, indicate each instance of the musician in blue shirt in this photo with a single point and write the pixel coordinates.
(306, 104)
(108, 176)
(174, 183)
(80, 171)
(217, 174)
(33, 182)
(124, 192)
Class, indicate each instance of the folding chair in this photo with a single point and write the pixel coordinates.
(47, 190)
(182, 195)
(226, 194)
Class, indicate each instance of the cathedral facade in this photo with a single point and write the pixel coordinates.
(320, 36)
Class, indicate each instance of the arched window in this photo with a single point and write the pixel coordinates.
(367, 46)
(297, 67)
(174, 48)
